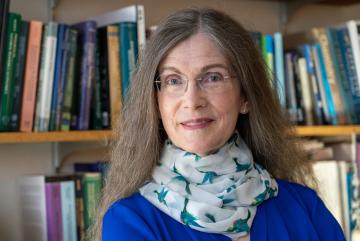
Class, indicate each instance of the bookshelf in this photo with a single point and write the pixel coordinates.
(58, 136)
(106, 135)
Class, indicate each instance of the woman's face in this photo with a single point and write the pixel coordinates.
(198, 120)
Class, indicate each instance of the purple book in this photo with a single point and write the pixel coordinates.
(87, 40)
(53, 211)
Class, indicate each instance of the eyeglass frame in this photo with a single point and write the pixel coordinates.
(198, 80)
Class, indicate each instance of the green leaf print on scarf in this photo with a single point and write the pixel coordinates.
(211, 217)
(197, 157)
(182, 179)
(240, 225)
(187, 218)
(226, 200)
(161, 195)
(208, 177)
(267, 193)
(240, 168)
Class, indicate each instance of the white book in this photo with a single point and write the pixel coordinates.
(343, 172)
(68, 210)
(306, 91)
(46, 79)
(33, 208)
(328, 175)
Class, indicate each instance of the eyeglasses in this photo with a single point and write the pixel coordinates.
(210, 82)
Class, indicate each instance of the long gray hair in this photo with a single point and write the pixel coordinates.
(140, 135)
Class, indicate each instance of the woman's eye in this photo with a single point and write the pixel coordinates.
(212, 77)
(173, 80)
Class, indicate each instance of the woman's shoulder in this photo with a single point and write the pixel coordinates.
(302, 207)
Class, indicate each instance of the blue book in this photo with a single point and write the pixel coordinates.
(87, 39)
(57, 75)
(341, 80)
(279, 68)
(128, 53)
(306, 51)
(329, 97)
(350, 71)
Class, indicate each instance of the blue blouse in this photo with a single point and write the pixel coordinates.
(296, 214)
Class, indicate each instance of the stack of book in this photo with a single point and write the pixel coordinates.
(60, 77)
(61, 207)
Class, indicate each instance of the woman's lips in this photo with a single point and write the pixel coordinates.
(194, 124)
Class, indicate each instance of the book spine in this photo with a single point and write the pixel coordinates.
(96, 119)
(291, 96)
(91, 187)
(70, 82)
(68, 210)
(19, 77)
(324, 103)
(63, 77)
(316, 97)
(80, 225)
(115, 82)
(10, 58)
(4, 24)
(320, 34)
(88, 35)
(53, 211)
(57, 76)
(338, 67)
(306, 91)
(33, 208)
(104, 76)
(279, 68)
(349, 65)
(31, 76)
(141, 35)
(128, 53)
(46, 79)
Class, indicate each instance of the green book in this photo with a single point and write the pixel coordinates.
(8, 77)
(91, 184)
(70, 80)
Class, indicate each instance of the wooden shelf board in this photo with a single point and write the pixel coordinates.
(327, 130)
(58, 136)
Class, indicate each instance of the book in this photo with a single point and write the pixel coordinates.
(115, 82)
(87, 40)
(4, 13)
(46, 79)
(31, 76)
(279, 67)
(104, 76)
(33, 208)
(128, 53)
(56, 88)
(91, 185)
(67, 104)
(19, 77)
(53, 210)
(10, 59)
(306, 92)
(68, 208)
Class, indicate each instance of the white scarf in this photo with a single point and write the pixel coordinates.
(218, 193)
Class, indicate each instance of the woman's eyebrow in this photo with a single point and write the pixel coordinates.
(203, 69)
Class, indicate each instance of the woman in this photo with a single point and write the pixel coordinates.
(204, 152)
